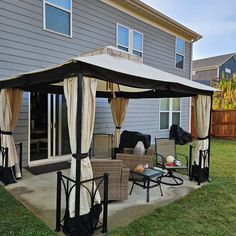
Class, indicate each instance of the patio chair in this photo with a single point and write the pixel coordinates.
(131, 160)
(102, 146)
(118, 178)
(164, 148)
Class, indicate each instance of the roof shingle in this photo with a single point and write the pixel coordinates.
(212, 62)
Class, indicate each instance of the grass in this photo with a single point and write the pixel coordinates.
(210, 210)
(16, 220)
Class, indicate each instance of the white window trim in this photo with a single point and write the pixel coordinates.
(130, 41)
(132, 32)
(170, 112)
(117, 44)
(180, 54)
(61, 8)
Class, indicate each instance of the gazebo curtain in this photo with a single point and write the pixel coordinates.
(202, 105)
(119, 108)
(10, 104)
(88, 115)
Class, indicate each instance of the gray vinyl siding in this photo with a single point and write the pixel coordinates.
(25, 46)
(143, 115)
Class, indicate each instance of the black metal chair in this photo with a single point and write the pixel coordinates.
(166, 147)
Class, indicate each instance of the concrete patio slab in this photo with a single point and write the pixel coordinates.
(38, 194)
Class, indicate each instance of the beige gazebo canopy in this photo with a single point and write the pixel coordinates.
(113, 74)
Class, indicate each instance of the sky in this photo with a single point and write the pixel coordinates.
(215, 20)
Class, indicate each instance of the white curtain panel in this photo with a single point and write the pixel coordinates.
(202, 105)
(10, 103)
(119, 108)
(88, 115)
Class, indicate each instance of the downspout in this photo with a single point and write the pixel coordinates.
(190, 98)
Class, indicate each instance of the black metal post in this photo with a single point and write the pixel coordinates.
(190, 162)
(78, 144)
(58, 202)
(105, 203)
(6, 167)
(209, 144)
(200, 169)
(20, 146)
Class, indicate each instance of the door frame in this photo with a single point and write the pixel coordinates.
(53, 158)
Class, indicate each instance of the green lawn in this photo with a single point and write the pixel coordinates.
(16, 220)
(210, 210)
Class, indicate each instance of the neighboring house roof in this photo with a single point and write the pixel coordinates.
(211, 62)
(151, 16)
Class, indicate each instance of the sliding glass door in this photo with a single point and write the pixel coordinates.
(49, 137)
(57, 128)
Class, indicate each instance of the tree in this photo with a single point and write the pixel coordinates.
(226, 99)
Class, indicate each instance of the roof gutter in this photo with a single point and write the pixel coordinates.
(152, 16)
(165, 19)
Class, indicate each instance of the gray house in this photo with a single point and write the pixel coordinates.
(210, 70)
(41, 33)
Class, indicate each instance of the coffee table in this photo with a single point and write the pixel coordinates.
(150, 178)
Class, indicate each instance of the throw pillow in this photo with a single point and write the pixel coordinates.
(139, 149)
(151, 150)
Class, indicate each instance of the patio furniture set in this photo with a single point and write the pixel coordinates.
(121, 167)
(106, 73)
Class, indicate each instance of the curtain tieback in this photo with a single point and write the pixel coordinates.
(118, 127)
(83, 155)
(204, 138)
(5, 132)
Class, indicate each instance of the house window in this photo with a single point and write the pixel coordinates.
(123, 38)
(58, 16)
(179, 53)
(169, 112)
(129, 40)
(137, 43)
(227, 70)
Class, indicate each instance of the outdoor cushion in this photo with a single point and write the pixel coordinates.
(129, 139)
(139, 148)
(151, 150)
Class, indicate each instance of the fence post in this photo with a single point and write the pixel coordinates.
(58, 202)
(105, 209)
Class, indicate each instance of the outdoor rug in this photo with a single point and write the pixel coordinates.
(38, 170)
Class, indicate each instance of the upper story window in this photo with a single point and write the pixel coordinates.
(169, 112)
(129, 40)
(58, 16)
(179, 53)
(123, 38)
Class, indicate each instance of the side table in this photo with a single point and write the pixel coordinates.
(150, 178)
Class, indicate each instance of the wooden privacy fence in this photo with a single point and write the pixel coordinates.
(223, 124)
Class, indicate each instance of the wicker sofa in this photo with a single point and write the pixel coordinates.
(131, 160)
(118, 177)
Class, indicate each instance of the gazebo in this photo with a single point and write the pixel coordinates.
(108, 73)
